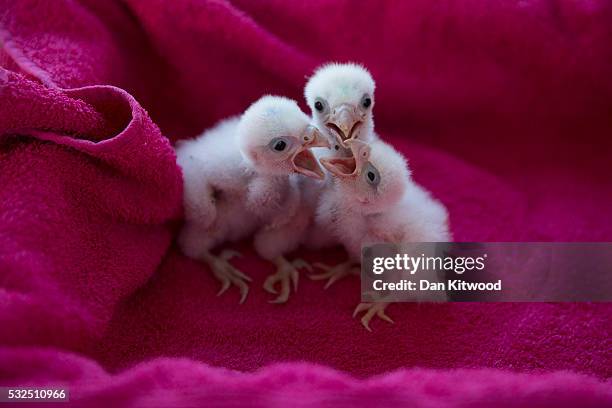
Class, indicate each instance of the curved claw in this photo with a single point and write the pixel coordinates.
(298, 264)
(225, 284)
(244, 291)
(285, 289)
(372, 309)
(282, 298)
(269, 284)
(360, 308)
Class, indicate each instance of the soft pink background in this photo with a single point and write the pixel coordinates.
(504, 111)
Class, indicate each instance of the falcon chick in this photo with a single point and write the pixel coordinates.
(341, 98)
(275, 138)
(235, 176)
(372, 200)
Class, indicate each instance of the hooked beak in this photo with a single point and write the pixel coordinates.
(348, 166)
(313, 138)
(303, 161)
(344, 123)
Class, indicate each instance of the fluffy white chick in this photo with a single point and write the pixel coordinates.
(373, 199)
(225, 199)
(275, 139)
(341, 98)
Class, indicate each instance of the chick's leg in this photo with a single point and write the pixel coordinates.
(287, 274)
(226, 273)
(334, 273)
(274, 241)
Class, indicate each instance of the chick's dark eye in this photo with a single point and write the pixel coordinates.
(367, 102)
(280, 145)
(319, 106)
(371, 175)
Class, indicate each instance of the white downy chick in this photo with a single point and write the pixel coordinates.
(373, 200)
(341, 98)
(215, 177)
(224, 198)
(275, 138)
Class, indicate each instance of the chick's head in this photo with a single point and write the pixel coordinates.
(341, 98)
(275, 137)
(373, 179)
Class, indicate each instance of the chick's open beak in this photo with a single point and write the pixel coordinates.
(344, 123)
(303, 160)
(348, 166)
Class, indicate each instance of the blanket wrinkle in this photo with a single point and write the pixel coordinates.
(502, 111)
(38, 107)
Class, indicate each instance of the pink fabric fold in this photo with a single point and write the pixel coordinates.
(74, 228)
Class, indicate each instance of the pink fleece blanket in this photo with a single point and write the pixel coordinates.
(503, 111)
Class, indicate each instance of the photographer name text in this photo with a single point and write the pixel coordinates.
(426, 285)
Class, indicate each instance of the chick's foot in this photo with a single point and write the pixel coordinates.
(287, 274)
(371, 310)
(227, 274)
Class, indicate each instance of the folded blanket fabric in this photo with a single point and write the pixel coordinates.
(185, 383)
(76, 237)
(503, 111)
